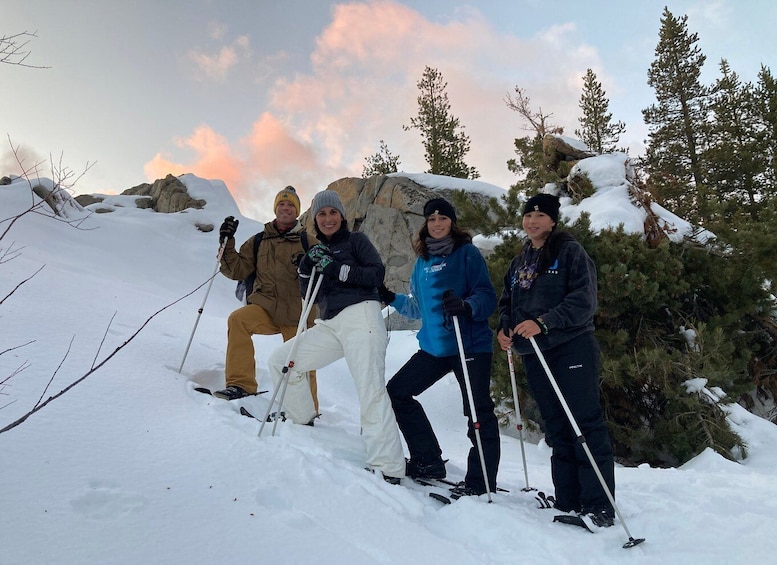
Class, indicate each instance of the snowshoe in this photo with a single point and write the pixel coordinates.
(232, 392)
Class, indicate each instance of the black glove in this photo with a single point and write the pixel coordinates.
(386, 296)
(228, 228)
(453, 305)
(329, 267)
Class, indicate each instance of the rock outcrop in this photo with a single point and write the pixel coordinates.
(389, 209)
(165, 195)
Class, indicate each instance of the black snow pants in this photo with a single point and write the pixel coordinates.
(420, 372)
(575, 367)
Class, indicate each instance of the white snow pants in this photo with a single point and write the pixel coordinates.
(358, 333)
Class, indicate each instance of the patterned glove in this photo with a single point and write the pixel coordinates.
(228, 228)
(314, 255)
(318, 252)
(324, 262)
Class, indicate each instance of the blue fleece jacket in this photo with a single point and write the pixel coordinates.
(465, 272)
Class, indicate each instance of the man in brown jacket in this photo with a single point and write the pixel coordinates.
(273, 304)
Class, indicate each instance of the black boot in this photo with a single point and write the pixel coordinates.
(417, 469)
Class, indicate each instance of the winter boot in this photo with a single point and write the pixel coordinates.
(420, 470)
(390, 480)
(462, 489)
(232, 392)
(598, 519)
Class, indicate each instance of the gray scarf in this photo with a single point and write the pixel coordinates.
(442, 246)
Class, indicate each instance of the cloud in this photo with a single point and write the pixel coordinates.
(217, 66)
(217, 30)
(213, 158)
(268, 158)
(24, 160)
(362, 87)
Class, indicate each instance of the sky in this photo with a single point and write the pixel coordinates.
(131, 465)
(263, 94)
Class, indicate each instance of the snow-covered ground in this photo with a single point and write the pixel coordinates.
(132, 466)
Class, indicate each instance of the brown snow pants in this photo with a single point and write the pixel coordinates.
(240, 367)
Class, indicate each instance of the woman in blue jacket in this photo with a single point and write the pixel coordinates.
(447, 260)
(550, 294)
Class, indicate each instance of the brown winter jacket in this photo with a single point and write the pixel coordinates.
(276, 288)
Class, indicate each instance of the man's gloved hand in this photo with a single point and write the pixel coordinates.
(228, 228)
(453, 305)
(386, 296)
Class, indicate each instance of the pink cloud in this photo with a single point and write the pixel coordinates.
(216, 66)
(274, 150)
(319, 126)
(213, 159)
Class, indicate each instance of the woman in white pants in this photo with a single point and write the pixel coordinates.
(350, 326)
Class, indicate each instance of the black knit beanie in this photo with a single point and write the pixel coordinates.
(440, 206)
(545, 203)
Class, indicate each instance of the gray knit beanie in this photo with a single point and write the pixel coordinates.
(327, 198)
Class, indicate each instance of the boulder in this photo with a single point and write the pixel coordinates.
(389, 209)
(167, 195)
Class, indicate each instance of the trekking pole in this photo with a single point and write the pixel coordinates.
(581, 440)
(519, 424)
(473, 414)
(307, 306)
(199, 312)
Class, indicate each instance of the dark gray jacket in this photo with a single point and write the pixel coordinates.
(564, 295)
(364, 277)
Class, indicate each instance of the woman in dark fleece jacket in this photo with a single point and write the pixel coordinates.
(350, 326)
(550, 294)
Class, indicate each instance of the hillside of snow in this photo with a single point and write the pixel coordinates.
(132, 465)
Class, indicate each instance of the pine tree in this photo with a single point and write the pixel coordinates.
(597, 130)
(766, 105)
(734, 166)
(670, 315)
(444, 144)
(677, 122)
(381, 163)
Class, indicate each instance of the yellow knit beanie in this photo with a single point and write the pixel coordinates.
(289, 193)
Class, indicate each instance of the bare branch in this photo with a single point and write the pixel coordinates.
(13, 49)
(54, 374)
(102, 341)
(9, 254)
(51, 204)
(15, 347)
(537, 120)
(20, 284)
(39, 406)
(19, 369)
(8, 404)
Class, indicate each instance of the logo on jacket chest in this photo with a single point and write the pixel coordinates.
(436, 268)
